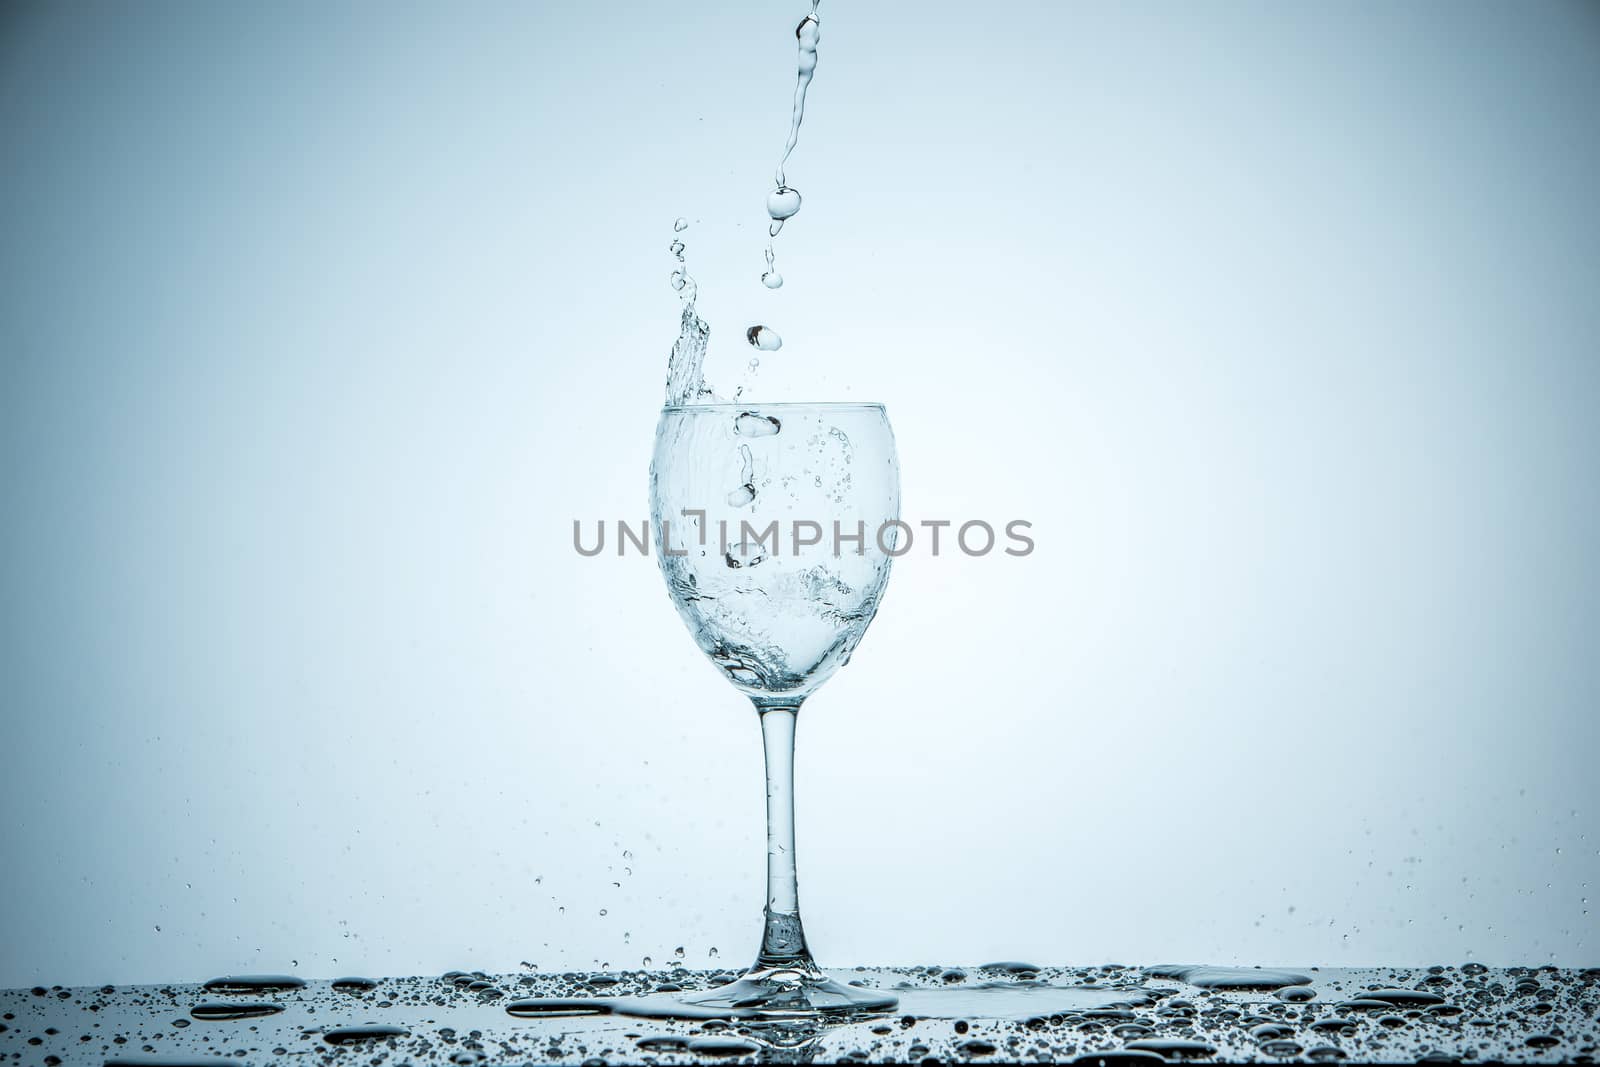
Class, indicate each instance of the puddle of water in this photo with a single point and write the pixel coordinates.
(997, 1012)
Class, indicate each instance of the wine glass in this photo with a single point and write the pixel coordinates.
(775, 526)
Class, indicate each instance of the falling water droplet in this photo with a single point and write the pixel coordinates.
(783, 202)
(742, 496)
(771, 279)
(680, 225)
(764, 338)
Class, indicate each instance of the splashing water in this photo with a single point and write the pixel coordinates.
(686, 366)
(686, 382)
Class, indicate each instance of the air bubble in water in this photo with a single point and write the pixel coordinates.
(745, 554)
(783, 202)
(749, 424)
(764, 338)
(676, 248)
(680, 225)
(742, 496)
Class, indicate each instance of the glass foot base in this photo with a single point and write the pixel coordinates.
(792, 994)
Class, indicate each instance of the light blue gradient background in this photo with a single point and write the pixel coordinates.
(319, 325)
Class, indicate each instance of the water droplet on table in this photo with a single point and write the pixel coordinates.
(254, 983)
(352, 1035)
(229, 1010)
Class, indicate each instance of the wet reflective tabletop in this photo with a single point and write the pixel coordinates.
(996, 1012)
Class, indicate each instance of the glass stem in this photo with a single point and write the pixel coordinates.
(783, 939)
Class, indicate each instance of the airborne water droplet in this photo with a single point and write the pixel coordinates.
(680, 225)
(764, 338)
(771, 279)
(742, 496)
(783, 202)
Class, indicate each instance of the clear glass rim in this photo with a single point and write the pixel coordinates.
(757, 405)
